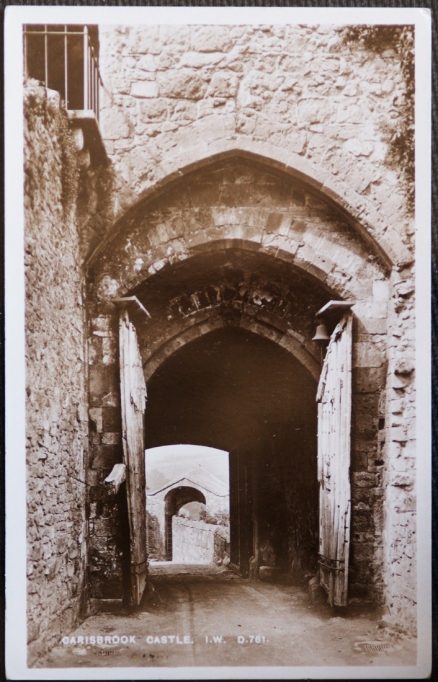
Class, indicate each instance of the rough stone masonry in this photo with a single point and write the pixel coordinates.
(280, 145)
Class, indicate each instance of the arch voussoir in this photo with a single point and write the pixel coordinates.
(230, 203)
(291, 342)
(361, 215)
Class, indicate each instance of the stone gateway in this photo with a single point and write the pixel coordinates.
(216, 194)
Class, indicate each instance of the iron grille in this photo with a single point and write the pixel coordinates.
(65, 58)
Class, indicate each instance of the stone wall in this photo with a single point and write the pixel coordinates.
(197, 542)
(154, 534)
(401, 456)
(56, 400)
(326, 104)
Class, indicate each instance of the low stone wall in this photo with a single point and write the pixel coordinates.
(198, 542)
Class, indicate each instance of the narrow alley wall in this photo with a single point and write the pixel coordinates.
(56, 408)
(69, 203)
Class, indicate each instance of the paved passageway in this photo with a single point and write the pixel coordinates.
(201, 615)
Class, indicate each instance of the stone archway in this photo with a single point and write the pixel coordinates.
(196, 159)
(174, 500)
(174, 473)
(292, 344)
(240, 243)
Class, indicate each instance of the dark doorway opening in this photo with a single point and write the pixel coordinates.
(234, 390)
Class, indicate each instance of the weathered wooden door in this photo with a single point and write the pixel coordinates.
(133, 405)
(334, 426)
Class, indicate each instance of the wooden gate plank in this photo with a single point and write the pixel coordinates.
(133, 405)
(334, 427)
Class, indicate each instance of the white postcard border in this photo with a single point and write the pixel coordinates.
(15, 339)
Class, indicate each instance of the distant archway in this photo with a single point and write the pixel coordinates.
(177, 475)
(174, 500)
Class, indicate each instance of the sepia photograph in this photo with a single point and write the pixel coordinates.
(217, 291)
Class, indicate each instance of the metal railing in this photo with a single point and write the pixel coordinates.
(65, 59)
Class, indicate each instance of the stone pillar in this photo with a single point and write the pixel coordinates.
(367, 461)
(106, 537)
(401, 458)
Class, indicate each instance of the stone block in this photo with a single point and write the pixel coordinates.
(366, 404)
(365, 424)
(102, 380)
(114, 124)
(363, 479)
(398, 433)
(95, 439)
(359, 461)
(368, 379)
(409, 449)
(144, 89)
(201, 59)
(396, 406)
(362, 570)
(109, 351)
(363, 538)
(313, 110)
(361, 520)
(374, 325)
(111, 399)
(146, 62)
(211, 39)
(111, 419)
(405, 501)
(381, 290)
(358, 147)
(95, 414)
(105, 456)
(182, 84)
(223, 84)
(114, 438)
(154, 109)
(366, 354)
(403, 464)
(404, 366)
